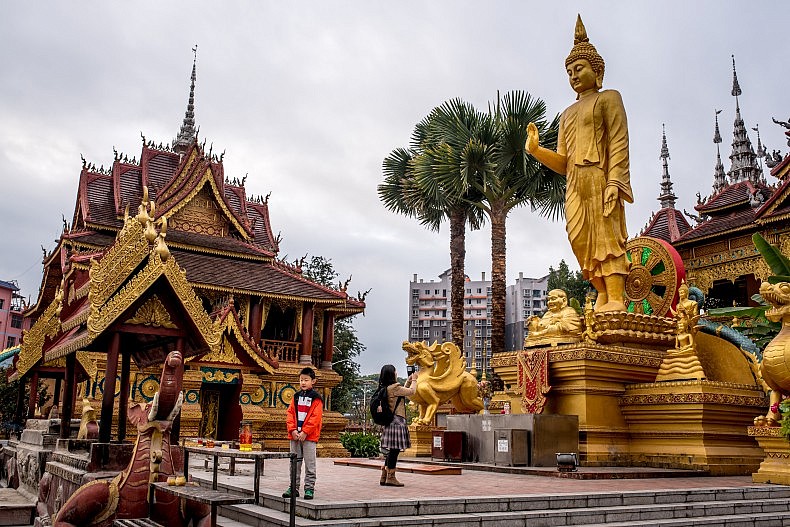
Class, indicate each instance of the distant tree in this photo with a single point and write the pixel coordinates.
(572, 282)
(347, 345)
(8, 399)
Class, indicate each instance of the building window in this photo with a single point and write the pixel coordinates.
(16, 321)
(426, 333)
(2, 302)
(415, 333)
(479, 313)
(526, 313)
(444, 292)
(415, 313)
(477, 333)
(468, 344)
(478, 344)
(414, 323)
(10, 342)
(436, 292)
(478, 354)
(478, 322)
(468, 291)
(479, 290)
(535, 292)
(468, 333)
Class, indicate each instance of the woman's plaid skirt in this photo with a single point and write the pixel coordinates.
(395, 435)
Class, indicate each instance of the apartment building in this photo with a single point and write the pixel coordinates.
(11, 321)
(431, 313)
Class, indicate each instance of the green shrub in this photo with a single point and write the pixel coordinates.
(360, 444)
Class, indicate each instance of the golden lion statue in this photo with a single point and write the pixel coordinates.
(775, 366)
(443, 377)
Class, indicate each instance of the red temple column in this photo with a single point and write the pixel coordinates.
(328, 341)
(254, 324)
(108, 398)
(33, 399)
(175, 431)
(306, 356)
(123, 400)
(69, 389)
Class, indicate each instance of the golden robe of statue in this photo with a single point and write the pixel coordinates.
(592, 152)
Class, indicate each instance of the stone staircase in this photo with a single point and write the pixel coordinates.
(731, 507)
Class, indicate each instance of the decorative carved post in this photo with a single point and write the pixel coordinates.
(56, 400)
(33, 400)
(175, 431)
(123, 400)
(255, 322)
(108, 399)
(306, 356)
(68, 396)
(328, 341)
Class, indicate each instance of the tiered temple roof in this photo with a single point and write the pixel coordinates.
(668, 223)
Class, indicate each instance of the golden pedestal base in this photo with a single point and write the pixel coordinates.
(775, 468)
(421, 440)
(693, 424)
(626, 419)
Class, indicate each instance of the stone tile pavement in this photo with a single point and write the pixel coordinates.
(349, 483)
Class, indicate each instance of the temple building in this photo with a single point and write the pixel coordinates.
(166, 252)
(717, 251)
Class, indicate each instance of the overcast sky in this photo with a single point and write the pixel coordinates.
(309, 97)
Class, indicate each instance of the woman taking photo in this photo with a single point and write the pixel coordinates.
(395, 436)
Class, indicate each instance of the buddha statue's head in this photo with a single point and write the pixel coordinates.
(584, 65)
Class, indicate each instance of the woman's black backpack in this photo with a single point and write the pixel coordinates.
(380, 410)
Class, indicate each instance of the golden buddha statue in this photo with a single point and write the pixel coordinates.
(561, 324)
(682, 362)
(592, 153)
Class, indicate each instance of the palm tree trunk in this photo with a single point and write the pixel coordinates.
(498, 277)
(457, 276)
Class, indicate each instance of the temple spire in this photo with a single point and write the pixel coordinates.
(667, 197)
(743, 160)
(719, 177)
(187, 133)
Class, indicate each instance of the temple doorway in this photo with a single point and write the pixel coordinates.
(220, 411)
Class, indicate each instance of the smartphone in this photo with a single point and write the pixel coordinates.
(410, 368)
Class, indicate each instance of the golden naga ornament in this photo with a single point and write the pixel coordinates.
(442, 377)
(592, 153)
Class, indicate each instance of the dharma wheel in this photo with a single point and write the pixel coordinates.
(655, 275)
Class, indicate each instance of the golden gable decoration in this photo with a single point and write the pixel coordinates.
(153, 313)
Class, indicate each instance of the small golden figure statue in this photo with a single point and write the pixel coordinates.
(592, 152)
(560, 325)
(89, 428)
(682, 362)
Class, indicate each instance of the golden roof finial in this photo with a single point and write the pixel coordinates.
(580, 34)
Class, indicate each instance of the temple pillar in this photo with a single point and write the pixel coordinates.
(175, 430)
(307, 334)
(123, 400)
(108, 398)
(56, 400)
(256, 320)
(33, 399)
(68, 397)
(328, 341)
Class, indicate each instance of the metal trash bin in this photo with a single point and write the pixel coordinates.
(511, 447)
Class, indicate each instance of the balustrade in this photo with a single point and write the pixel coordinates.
(284, 351)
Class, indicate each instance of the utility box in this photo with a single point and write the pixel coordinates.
(511, 447)
(437, 444)
(454, 445)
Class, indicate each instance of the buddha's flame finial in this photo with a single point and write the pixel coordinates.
(580, 34)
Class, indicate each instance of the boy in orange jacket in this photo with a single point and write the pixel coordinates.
(303, 420)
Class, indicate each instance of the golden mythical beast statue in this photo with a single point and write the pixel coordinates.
(775, 366)
(443, 377)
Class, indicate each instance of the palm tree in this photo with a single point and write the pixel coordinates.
(410, 187)
(485, 156)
